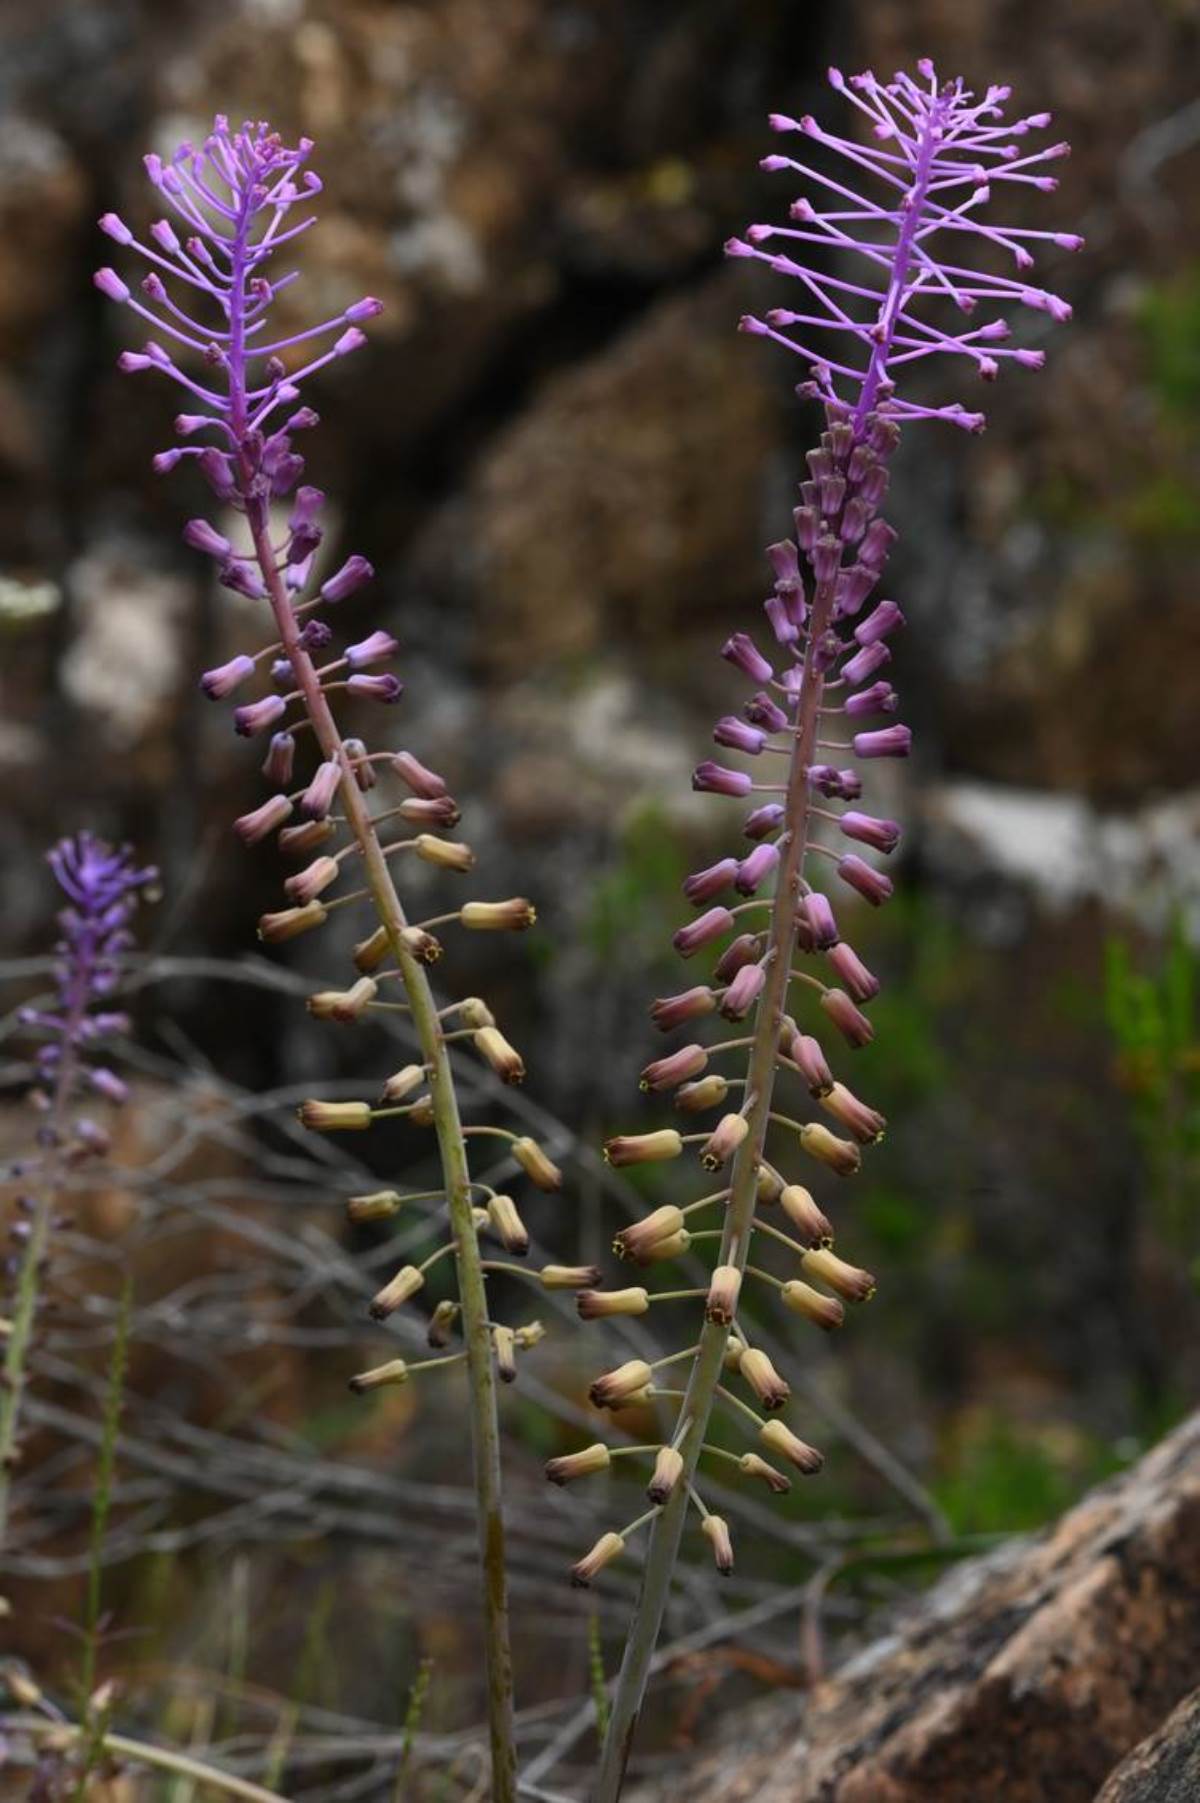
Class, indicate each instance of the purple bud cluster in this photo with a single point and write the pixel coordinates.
(102, 887)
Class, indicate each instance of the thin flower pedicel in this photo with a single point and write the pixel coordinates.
(822, 700)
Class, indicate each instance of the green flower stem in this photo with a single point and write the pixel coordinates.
(739, 1217)
(472, 1293)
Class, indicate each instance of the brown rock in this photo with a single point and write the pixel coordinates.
(1022, 1678)
(1165, 1767)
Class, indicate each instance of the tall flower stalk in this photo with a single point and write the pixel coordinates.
(898, 222)
(101, 886)
(233, 208)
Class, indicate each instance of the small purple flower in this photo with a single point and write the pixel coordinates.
(821, 921)
(375, 649)
(760, 710)
(376, 688)
(881, 835)
(743, 991)
(871, 884)
(865, 663)
(352, 576)
(744, 655)
(880, 698)
(879, 623)
(889, 742)
(258, 716)
(317, 799)
(736, 735)
(226, 678)
(763, 821)
(754, 870)
(715, 779)
(703, 885)
(699, 933)
(860, 983)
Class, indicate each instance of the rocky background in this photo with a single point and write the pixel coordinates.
(563, 461)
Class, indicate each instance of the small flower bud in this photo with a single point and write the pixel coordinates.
(743, 992)
(889, 742)
(880, 698)
(507, 1225)
(642, 1148)
(473, 1011)
(616, 1385)
(801, 1210)
(708, 1092)
(745, 949)
(668, 1469)
(716, 779)
(598, 1305)
(376, 648)
(654, 1226)
(871, 884)
(744, 655)
(768, 1186)
(273, 929)
(716, 1531)
(335, 1117)
(866, 663)
(442, 811)
(394, 1372)
(840, 1155)
(422, 781)
(754, 870)
(764, 820)
(446, 854)
(847, 1281)
(370, 953)
(703, 885)
(318, 798)
(225, 678)
(442, 1323)
(343, 1005)
(850, 1021)
(866, 1124)
(606, 1549)
(380, 1205)
(807, 1055)
(313, 880)
(677, 1067)
(738, 735)
(672, 1245)
(569, 1277)
(821, 921)
(402, 1083)
(421, 1112)
(824, 1311)
(723, 1141)
(532, 1334)
(495, 1051)
(252, 827)
(881, 621)
(723, 1291)
(421, 945)
(356, 754)
(281, 756)
(881, 835)
(504, 1345)
(859, 982)
(257, 716)
(673, 1010)
(752, 1466)
(401, 1288)
(763, 1378)
(506, 916)
(584, 1463)
(779, 1438)
(354, 573)
(299, 841)
(541, 1170)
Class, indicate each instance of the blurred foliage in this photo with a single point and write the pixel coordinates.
(1170, 323)
(1007, 1476)
(1152, 1016)
(636, 905)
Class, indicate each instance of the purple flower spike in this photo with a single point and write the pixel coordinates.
(871, 884)
(911, 204)
(715, 779)
(101, 886)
